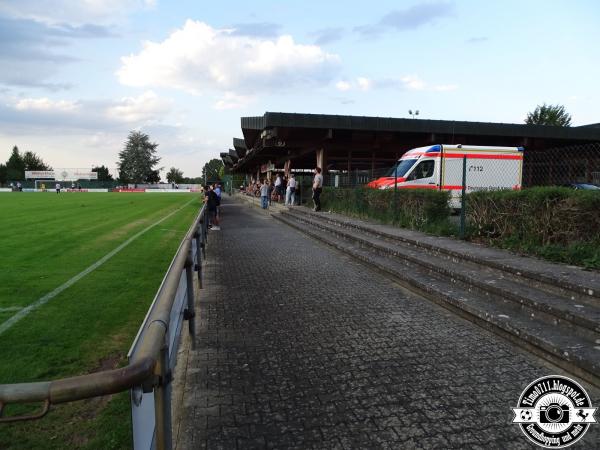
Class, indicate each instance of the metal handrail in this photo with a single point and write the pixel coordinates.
(146, 368)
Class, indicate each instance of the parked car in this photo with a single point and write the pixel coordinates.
(584, 186)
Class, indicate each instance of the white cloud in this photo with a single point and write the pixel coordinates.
(198, 58)
(364, 83)
(47, 114)
(45, 104)
(73, 12)
(145, 108)
(407, 82)
(343, 85)
(413, 82)
(232, 101)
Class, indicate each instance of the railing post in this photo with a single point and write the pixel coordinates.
(162, 401)
(463, 200)
(199, 249)
(190, 313)
(203, 230)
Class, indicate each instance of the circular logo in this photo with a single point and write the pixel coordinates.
(554, 412)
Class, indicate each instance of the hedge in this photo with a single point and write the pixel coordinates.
(557, 223)
(418, 209)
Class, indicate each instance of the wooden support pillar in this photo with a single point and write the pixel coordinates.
(287, 168)
(349, 160)
(372, 163)
(321, 159)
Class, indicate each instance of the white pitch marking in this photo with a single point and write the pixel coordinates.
(46, 298)
(11, 309)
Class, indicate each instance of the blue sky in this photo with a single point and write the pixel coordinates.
(76, 77)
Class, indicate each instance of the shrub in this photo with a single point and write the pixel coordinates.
(557, 223)
(418, 209)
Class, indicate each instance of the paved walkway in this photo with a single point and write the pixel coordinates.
(301, 347)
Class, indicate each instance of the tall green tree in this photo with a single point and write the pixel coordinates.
(34, 162)
(3, 174)
(103, 174)
(212, 170)
(175, 175)
(15, 166)
(138, 159)
(549, 115)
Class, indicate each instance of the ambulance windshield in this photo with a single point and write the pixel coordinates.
(401, 167)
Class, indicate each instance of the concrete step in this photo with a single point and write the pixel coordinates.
(550, 306)
(556, 342)
(567, 280)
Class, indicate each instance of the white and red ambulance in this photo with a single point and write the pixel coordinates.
(441, 167)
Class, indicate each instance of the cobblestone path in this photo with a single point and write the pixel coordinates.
(301, 347)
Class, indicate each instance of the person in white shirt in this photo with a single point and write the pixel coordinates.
(290, 192)
(278, 191)
(317, 189)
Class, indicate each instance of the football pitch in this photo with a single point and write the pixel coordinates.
(78, 272)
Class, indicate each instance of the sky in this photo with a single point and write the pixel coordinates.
(77, 76)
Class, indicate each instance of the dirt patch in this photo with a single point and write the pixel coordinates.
(122, 231)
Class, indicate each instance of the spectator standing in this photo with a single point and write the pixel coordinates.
(271, 190)
(264, 195)
(19, 186)
(290, 192)
(278, 191)
(217, 188)
(210, 198)
(317, 189)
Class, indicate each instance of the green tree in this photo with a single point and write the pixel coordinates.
(15, 166)
(103, 174)
(212, 170)
(153, 177)
(549, 115)
(3, 174)
(34, 162)
(137, 160)
(175, 175)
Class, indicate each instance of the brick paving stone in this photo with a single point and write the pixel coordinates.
(300, 346)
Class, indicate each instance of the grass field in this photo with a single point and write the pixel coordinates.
(46, 240)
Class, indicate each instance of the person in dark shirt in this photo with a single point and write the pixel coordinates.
(211, 200)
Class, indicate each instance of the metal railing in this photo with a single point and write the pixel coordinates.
(151, 358)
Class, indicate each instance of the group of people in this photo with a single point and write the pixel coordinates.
(212, 198)
(279, 189)
(16, 187)
(275, 190)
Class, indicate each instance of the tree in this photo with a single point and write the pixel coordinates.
(137, 160)
(103, 174)
(3, 174)
(34, 162)
(15, 166)
(211, 170)
(549, 115)
(153, 177)
(175, 175)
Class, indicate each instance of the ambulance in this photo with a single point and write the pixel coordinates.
(440, 167)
